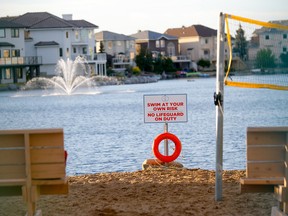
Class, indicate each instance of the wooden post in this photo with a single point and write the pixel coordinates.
(28, 187)
(219, 107)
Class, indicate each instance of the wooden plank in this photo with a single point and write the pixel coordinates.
(11, 140)
(266, 138)
(265, 169)
(12, 156)
(47, 155)
(12, 182)
(54, 189)
(12, 172)
(49, 181)
(48, 171)
(281, 193)
(267, 129)
(262, 181)
(11, 191)
(266, 153)
(256, 188)
(47, 139)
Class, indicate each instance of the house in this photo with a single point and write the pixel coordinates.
(196, 41)
(164, 44)
(49, 38)
(274, 39)
(119, 46)
(13, 62)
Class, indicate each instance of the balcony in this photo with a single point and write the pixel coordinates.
(121, 60)
(180, 58)
(27, 60)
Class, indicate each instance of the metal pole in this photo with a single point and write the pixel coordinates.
(166, 149)
(219, 107)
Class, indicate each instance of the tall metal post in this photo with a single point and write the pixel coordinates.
(219, 94)
(166, 149)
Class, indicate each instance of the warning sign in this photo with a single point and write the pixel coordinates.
(165, 108)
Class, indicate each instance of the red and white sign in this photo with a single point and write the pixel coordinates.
(165, 108)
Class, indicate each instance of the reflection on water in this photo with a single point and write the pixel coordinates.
(105, 130)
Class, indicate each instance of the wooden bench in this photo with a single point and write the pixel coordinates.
(267, 165)
(32, 163)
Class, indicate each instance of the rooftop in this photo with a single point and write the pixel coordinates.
(194, 30)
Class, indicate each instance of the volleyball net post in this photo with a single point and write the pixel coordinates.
(218, 101)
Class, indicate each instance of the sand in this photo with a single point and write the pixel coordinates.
(151, 192)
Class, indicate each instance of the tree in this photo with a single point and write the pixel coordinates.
(240, 43)
(168, 65)
(144, 60)
(265, 59)
(101, 48)
(284, 59)
(204, 63)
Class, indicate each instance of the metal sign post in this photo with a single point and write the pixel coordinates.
(166, 149)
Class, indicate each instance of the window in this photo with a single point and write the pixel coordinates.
(6, 53)
(284, 36)
(171, 49)
(157, 44)
(19, 73)
(67, 53)
(110, 45)
(267, 37)
(15, 53)
(206, 52)
(90, 34)
(284, 49)
(206, 41)
(60, 52)
(7, 73)
(15, 33)
(84, 50)
(162, 43)
(67, 34)
(2, 33)
(74, 50)
(76, 35)
(27, 34)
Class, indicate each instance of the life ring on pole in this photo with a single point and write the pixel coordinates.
(167, 158)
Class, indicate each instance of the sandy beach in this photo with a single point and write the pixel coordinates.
(151, 192)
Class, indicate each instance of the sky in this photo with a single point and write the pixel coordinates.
(129, 16)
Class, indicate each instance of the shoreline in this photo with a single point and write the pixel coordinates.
(149, 192)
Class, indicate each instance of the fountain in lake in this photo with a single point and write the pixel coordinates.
(70, 76)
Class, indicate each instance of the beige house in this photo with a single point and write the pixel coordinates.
(274, 39)
(196, 41)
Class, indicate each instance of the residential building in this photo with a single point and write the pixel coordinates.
(14, 63)
(196, 41)
(119, 46)
(274, 39)
(51, 38)
(164, 44)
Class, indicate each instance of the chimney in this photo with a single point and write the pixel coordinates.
(67, 16)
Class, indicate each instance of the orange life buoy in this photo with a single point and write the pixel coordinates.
(167, 158)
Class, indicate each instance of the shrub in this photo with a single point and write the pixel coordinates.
(136, 71)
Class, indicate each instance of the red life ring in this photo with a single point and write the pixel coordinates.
(177, 150)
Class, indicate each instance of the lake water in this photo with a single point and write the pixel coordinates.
(104, 128)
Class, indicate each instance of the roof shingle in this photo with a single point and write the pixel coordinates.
(194, 30)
